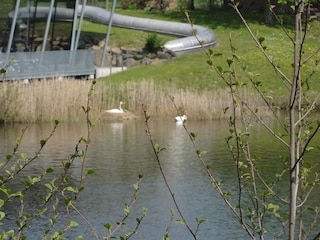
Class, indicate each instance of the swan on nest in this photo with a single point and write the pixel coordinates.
(116, 110)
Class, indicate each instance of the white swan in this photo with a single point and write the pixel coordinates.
(116, 110)
(180, 119)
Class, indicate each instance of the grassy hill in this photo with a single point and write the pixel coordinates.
(191, 71)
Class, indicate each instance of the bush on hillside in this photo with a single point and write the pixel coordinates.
(153, 43)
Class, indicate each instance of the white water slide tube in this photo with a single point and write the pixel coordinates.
(204, 37)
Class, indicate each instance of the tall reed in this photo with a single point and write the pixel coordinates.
(63, 99)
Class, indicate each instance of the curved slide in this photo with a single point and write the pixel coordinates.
(186, 44)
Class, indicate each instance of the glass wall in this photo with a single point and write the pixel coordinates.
(31, 26)
(31, 33)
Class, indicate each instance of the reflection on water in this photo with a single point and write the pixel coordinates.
(119, 152)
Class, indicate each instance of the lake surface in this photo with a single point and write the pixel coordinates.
(120, 151)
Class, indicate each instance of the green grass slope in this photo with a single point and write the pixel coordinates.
(191, 71)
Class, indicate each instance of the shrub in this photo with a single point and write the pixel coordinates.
(153, 43)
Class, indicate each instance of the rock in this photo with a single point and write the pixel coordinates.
(116, 50)
(170, 52)
(120, 57)
(130, 62)
(163, 55)
(138, 57)
(101, 44)
(95, 48)
(151, 55)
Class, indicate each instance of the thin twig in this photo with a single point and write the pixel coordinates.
(156, 151)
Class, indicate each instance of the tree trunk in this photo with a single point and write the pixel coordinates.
(268, 14)
(295, 105)
(190, 4)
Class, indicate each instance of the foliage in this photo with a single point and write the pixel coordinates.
(296, 136)
(297, 132)
(17, 188)
(152, 44)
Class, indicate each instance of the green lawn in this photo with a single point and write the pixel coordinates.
(191, 71)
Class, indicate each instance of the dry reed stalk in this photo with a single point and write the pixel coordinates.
(197, 105)
(47, 100)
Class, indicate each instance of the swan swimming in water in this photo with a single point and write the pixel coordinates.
(180, 119)
(116, 110)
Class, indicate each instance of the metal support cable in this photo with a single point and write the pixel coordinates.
(13, 26)
(45, 37)
(80, 23)
(108, 33)
(74, 26)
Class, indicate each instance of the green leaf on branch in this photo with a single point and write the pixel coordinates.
(258, 83)
(126, 211)
(158, 148)
(53, 221)
(172, 211)
(83, 139)
(229, 61)
(92, 123)
(66, 165)
(269, 97)
(199, 221)
(49, 170)
(261, 40)
(70, 189)
(42, 142)
(219, 69)
(145, 210)
(180, 222)
(73, 224)
(42, 211)
(201, 153)
(308, 149)
(2, 215)
(193, 135)
(225, 110)
(90, 171)
(24, 156)
(273, 208)
(49, 186)
(108, 226)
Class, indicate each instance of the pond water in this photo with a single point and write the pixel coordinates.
(120, 151)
